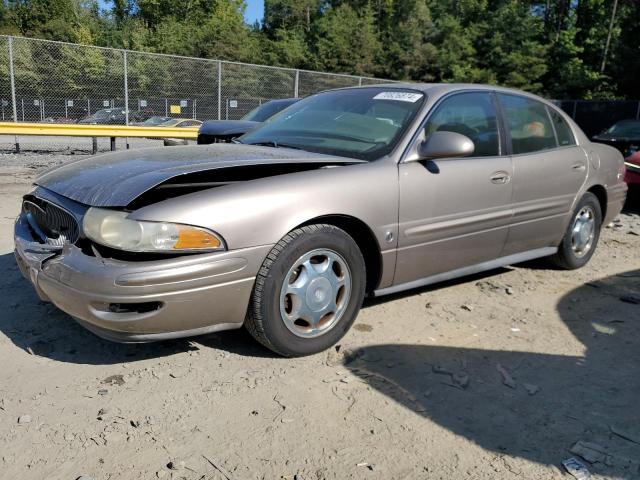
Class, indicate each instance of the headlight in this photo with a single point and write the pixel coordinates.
(113, 229)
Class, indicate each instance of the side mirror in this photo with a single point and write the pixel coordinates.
(445, 145)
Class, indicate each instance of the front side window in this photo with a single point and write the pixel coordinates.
(471, 114)
(563, 132)
(364, 123)
(528, 123)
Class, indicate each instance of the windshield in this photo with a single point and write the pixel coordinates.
(364, 123)
(263, 112)
(626, 129)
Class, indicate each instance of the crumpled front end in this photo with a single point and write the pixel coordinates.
(129, 299)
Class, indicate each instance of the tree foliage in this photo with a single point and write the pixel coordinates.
(551, 47)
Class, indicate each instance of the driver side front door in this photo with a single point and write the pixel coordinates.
(455, 212)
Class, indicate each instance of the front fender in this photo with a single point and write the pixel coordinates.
(261, 212)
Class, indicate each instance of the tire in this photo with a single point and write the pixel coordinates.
(173, 142)
(272, 315)
(568, 256)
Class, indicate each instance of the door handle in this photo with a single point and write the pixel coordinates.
(579, 167)
(500, 178)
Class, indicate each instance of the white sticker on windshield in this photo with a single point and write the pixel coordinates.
(399, 96)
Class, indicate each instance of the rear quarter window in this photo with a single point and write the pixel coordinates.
(563, 132)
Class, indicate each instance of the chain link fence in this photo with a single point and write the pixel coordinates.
(47, 81)
(593, 116)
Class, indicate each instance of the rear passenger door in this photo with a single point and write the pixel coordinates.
(549, 169)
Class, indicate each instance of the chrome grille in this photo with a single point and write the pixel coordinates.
(54, 225)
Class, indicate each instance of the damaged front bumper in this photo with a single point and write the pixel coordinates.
(141, 301)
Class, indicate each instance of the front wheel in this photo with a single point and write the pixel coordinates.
(582, 234)
(308, 291)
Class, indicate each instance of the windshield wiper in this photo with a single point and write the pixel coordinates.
(274, 144)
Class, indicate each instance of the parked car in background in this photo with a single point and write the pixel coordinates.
(107, 116)
(623, 135)
(178, 123)
(632, 177)
(117, 116)
(59, 120)
(151, 121)
(222, 131)
(365, 190)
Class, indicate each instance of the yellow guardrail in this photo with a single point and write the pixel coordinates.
(82, 130)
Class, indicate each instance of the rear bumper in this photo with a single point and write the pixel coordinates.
(143, 301)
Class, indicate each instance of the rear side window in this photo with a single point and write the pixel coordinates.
(563, 132)
(528, 123)
(472, 114)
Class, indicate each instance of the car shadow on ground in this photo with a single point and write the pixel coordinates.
(632, 205)
(41, 329)
(373, 301)
(556, 401)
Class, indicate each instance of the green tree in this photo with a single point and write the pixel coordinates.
(554, 47)
(347, 41)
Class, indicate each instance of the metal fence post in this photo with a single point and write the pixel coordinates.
(126, 88)
(13, 81)
(13, 92)
(296, 84)
(219, 90)
(359, 81)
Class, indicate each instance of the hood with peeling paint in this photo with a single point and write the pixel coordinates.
(116, 179)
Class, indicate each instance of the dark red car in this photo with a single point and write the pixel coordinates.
(632, 162)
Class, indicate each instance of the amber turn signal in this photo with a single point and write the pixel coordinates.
(190, 238)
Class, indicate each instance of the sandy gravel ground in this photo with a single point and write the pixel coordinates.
(498, 376)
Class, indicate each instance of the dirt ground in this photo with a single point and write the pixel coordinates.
(497, 376)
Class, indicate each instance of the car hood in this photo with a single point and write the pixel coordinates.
(226, 127)
(116, 179)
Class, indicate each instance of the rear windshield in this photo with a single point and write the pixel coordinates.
(263, 112)
(626, 129)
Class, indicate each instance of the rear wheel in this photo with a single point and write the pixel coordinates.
(582, 234)
(308, 291)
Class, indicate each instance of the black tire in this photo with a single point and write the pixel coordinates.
(264, 320)
(566, 258)
(173, 142)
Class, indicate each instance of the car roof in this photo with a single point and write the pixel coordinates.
(282, 100)
(438, 89)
